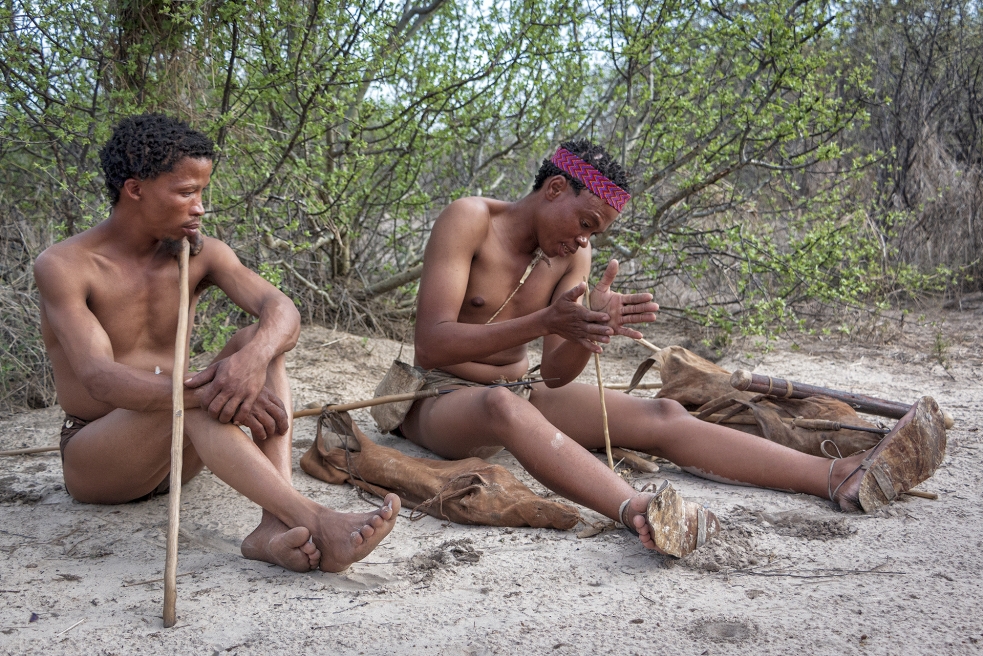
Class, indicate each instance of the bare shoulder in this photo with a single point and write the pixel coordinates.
(463, 225)
(216, 253)
(64, 265)
(470, 214)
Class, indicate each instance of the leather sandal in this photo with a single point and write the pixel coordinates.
(907, 456)
(668, 516)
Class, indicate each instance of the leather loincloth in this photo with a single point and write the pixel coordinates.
(72, 425)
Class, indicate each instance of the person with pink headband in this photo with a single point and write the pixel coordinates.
(498, 275)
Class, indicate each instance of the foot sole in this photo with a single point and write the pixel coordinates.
(907, 456)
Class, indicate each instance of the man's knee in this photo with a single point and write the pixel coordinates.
(238, 340)
(503, 409)
(666, 410)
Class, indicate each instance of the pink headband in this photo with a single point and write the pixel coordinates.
(603, 188)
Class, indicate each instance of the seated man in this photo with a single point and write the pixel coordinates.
(473, 324)
(109, 300)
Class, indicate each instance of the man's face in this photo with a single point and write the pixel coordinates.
(573, 218)
(172, 202)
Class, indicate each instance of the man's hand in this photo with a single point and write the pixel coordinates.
(621, 308)
(569, 319)
(232, 390)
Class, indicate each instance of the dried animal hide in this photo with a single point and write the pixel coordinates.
(469, 491)
(703, 386)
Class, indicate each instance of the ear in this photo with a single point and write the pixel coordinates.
(131, 189)
(555, 186)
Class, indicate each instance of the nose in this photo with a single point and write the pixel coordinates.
(198, 208)
(581, 241)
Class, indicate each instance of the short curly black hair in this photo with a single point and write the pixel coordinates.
(145, 146)
(593, 155)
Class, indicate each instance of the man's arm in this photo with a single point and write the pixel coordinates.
(233, 389)
(440, 339)
(87, 346)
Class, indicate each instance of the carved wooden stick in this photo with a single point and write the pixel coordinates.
(177, 442)
(760, 384)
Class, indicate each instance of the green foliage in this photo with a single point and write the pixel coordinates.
(343, 130)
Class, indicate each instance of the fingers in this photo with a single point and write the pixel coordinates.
(280, 417)
(223, 407)
(607, 278)
(266, 417)
(274, 410)
(645, 317)
(575, 293)
(593, 347)
(628, 332)
(639, 299)
(202, 377)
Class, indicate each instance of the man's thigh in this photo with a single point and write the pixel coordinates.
(457, 425)
(122, 456)
(575, 409)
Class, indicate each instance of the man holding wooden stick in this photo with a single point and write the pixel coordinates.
(108, 317)
(473, 324)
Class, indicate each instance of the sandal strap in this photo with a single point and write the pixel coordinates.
(624, 520)
(701, 531)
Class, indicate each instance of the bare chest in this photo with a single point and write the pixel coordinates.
(494, 286)
(137, 308)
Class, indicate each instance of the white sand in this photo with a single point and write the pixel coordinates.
(792, 574)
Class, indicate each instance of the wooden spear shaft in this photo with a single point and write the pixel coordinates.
(177, 442)
(396, 398)
(379, 400)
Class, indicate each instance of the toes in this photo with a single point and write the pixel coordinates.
(296, 537)
(309, 548)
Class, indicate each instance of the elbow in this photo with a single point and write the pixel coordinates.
(99, 385)
(293, 324)
(423, 358)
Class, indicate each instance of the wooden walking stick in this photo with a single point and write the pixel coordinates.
(177, 442)
(600, 389)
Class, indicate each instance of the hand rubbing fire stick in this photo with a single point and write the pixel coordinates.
(600, 389)
(177, 442)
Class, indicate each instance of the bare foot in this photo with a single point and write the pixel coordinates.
(345, 538)
(274, 542)
(636, 510)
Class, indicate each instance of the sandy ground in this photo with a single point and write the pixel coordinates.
(791, 575)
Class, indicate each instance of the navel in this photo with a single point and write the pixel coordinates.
(477, 301)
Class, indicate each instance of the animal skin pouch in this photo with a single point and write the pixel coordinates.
(401, 378)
